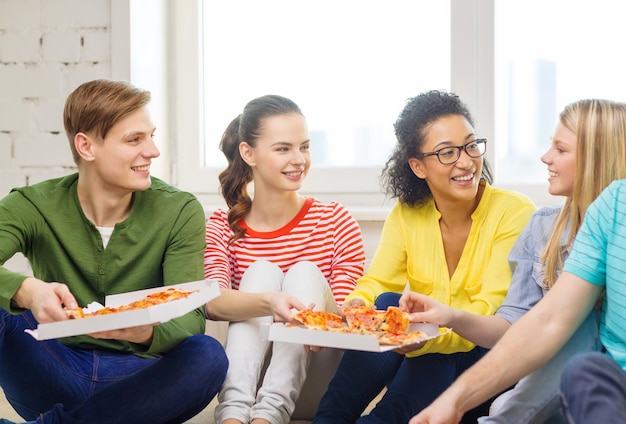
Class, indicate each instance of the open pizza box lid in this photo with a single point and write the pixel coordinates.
(280, 332)
(204, 291)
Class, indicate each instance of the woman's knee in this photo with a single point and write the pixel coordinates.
(261, 276)
(387, 299)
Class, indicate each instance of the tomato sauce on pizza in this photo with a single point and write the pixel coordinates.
(152, 299)
(390, 327)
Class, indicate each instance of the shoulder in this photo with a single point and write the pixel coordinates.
(547, 211)
(333, 213)
(160, 191)
(613, 193)
(401, 208)
(506, 198)
(48, 192)
(217, 222)
(610, 206)
(48, 186)
(541, 223)
(168, 200)
(160, 187)
(508, 205)
(326, 208)
(545, 217)
(219, 216)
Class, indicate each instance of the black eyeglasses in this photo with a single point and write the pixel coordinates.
(449, 155)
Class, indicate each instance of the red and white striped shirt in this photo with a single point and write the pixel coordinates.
(325, 234)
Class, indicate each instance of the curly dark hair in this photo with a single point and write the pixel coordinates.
(397, 178)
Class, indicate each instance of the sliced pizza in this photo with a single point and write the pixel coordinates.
(400, 339)
(396, 321)
(318, 320)
(152, 299)
(362, 319)
(390, 327)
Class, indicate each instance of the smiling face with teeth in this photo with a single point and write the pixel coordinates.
(457, 181)
(561, 161)
(280, 159)
(121, 161)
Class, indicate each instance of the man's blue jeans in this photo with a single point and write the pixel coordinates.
(50, 382)
(593, 389)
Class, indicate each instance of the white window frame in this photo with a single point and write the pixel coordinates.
(472, 77)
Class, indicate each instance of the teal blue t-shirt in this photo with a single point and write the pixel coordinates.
(599, 257)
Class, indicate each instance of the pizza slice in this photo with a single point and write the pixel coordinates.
(396, 321)
(152, 299)
(363, 319)
(400, 339)
(318, 320)
(74, 313)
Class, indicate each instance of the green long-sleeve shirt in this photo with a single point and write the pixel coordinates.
(160, 243)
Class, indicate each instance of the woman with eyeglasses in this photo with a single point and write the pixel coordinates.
(447, 237)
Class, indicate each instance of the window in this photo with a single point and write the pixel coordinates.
(549, 54)
(516, 63)
(349, 65)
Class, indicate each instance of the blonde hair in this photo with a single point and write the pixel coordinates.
(600, 128)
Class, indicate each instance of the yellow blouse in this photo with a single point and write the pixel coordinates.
(411, 251)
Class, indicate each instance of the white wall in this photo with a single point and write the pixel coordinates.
(47, 48)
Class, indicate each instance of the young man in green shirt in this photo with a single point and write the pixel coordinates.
(110, 228)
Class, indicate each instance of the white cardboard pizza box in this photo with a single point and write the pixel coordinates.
(280, 332)
(204, 291)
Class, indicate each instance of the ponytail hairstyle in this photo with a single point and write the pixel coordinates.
(247, 127)
(600, 128)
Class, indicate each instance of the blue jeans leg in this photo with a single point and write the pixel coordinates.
(418, 382)
(359, 378)
(60, 384)
(593, 390)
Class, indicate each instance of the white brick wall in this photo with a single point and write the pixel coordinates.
(47, 48)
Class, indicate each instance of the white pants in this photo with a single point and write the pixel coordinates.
(276, 396)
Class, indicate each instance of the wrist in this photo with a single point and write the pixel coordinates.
(455, 316)
(269, 303)
(457, 397)
(22, 296)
